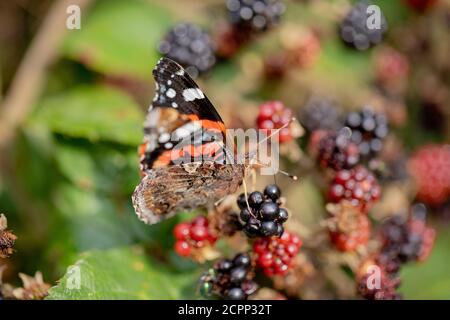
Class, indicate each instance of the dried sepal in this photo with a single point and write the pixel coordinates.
(33, 288)
(7, 238)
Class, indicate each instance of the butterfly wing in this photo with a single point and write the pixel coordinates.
(181, 120)
(164, 191)
(183, 154)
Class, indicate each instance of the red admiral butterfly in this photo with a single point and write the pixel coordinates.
(179, 175)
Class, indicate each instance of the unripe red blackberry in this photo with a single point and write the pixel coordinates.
(275, 256)
(334, 149)
(230, 279)
(193, 235)
(354, 29)
(348, 228)
(274, 115)
(391, 67)
(190, 46)
(430, 168)
(368, 130)
(358, 186)
(263, 217)
(255, 16)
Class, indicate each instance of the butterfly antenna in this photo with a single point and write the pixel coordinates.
(293, 177)
(276, 131)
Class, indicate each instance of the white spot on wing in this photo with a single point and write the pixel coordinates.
(180, 72)
(163, 138)
(174, 105)
(186, 130)
(171, 93)
(193, 93)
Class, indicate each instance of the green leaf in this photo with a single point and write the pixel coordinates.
(95, 113)
(124, 273)
(119, 37)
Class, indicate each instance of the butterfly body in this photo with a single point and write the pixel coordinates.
(184, 158)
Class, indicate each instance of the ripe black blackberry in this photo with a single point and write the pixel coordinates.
(254, 16)
(368, 130)
(354, 29)
(190, 46)
(320, 114)
(230, 279)
(262, 216)
(404, 240)
(335, 150)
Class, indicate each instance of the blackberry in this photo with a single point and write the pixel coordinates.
(405, 240)
(254, 16)
(388, 285)
(368, 130)
(264, 217)
(193, 236)
(354, 29)
(190, 46)
(274, 115)
(348, 228)
(391, 68)
(230, 279)
(335, 150)
(320, 114)
(276, 255)
(358, 186)
(430, 168)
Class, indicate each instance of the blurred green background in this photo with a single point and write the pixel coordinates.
(67, 176)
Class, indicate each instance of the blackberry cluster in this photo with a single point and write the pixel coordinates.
(190, 46)
(192, 235)
(354, 30)
(368, 130)
(320, 114)
(254, 16)
(262, 216)
(230, 279)
(276, 255)
(358, 186)
(335, 149)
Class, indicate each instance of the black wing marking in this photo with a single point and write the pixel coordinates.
(176, 89)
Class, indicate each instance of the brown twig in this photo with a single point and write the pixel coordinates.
(31, 74)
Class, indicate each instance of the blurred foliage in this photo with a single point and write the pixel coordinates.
(66, 183)
(124, 273)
